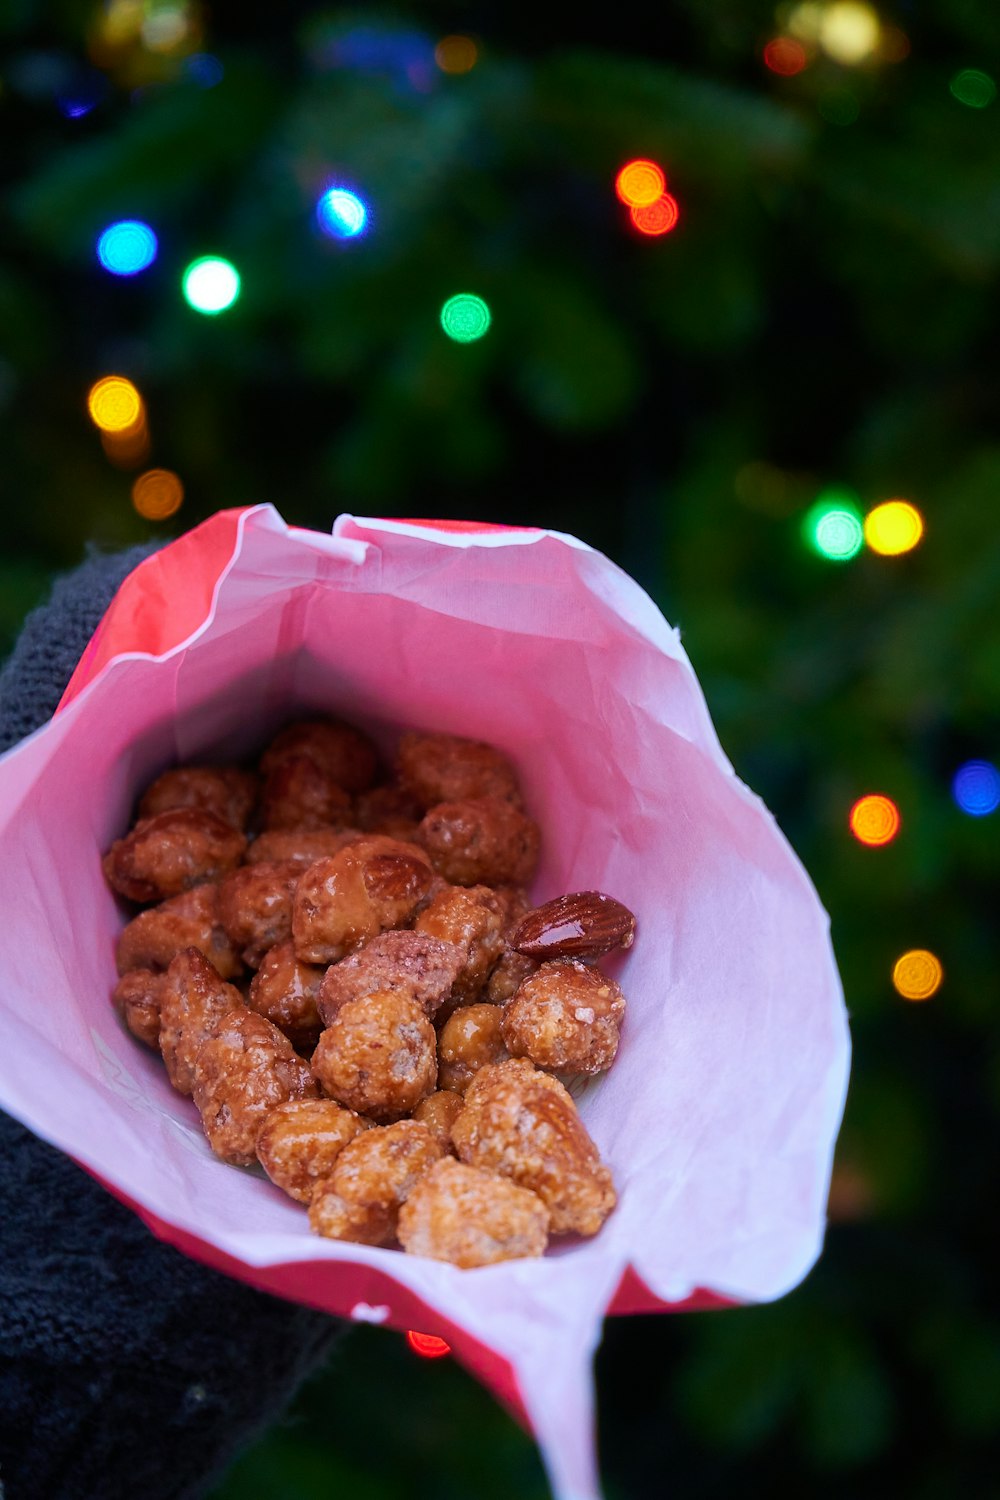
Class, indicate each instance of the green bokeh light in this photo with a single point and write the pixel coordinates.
(465, 317)
(973, 88)
(211, 284)
(834, 526)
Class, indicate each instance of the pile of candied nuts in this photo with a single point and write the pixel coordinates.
(391, 1058)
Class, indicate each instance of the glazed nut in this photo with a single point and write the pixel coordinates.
(472, 919)
(510, 973)
(243, 1069)
(566, 1016)
(523, 1124)
(372, 1177)
(438, 1112)
(470, 1039)
(437, 768)
(481, 842)
(193, 998)
(190, 920)
(138, 996)
(372, 884)
(283, 991)
(344, 753)
(385, 804)
(255, 903)
(299, 1143)
(470, 1218)
(172, 852)
(584, 925)
(303, 845)
(378, 1055)
(424, 967)
(300, 794)
(226, 791)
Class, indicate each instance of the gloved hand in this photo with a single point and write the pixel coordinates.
(125, 1368)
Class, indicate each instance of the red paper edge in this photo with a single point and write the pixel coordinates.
(185, 572)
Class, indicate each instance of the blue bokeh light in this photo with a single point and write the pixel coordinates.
(204, 70)
(127, 247)
(976, 788)
(342, 213)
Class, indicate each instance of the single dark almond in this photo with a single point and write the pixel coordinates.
(396, 877)
(583, 925)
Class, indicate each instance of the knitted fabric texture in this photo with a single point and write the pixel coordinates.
(125, 1368)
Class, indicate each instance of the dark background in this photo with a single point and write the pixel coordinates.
(825, 313)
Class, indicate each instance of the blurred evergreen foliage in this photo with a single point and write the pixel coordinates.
(826, 311)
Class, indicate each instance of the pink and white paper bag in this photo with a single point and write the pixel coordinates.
(719, 1117)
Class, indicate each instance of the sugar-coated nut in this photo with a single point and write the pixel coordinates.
(438, 1112)
(425, 967)
(172, 852)
(226, 791)
(470, 1218)
(372, 884)
(193, 998)
(243, 1069)
(510, 973)
(473, 919)
(255, 903)
(372, 1177)
(483, 842)
(138, 996)
(378, 1055)
(566, 1016)
(584, 924)
(523, 1125)
(389, 803)
(300, 794)
(192, 920)
(303, 845)
(283, 990)
(299, 1143)
(344, 753)
(444, 768)
(470, 1039)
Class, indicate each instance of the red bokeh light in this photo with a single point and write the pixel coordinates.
(786, 56)
(656, 218)
(427, 1345)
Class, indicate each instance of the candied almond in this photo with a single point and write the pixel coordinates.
(255, 904)
(470, 1218)
(171, 852)
(283, 990)
(299, 1142)
(343, 752)
(372, 1177)
(481, 842)
(378, 1055)
(565, 1016)
(472, 918)
(300, 794)
(193, 998)
(138, 996)
(190, 920)
(303, 845)
(425, 967)
(438, 1112)
(226, 791)
(243, 1068)
(470, 1039)
(445, 768)
(372, 884)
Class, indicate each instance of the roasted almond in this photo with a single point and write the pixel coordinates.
(583, 925)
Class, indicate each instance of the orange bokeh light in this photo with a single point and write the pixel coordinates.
(456, 54)
(427, 1345)
(656, 218)
(157, 494)
(128, 449)
(640, 183)
(917, 974)
(785, 56)
(875, 820)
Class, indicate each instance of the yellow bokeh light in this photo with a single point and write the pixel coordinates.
(917, 974)
(895, 526)
(849, 31)
(874, 820)
(805, 21)
(114, 404)
(157, 494)
(640, 183)
(456, 54)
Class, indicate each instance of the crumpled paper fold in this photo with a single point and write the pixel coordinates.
(719, 1116)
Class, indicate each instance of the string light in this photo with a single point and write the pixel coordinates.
(465, 317)
(917, 974)
(640, 183)
(973, 88)
(874, 820)
(157, 494)
(114, 404)
(342, 214)
(833, 527)
(849, 32)
(894, 527)
(127, 247)
(427, 1345)
(211, 284)
(456, 54)
(655, 218)
(785, 56)
(976, 788)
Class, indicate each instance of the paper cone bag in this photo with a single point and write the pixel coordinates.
(719, 1116)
